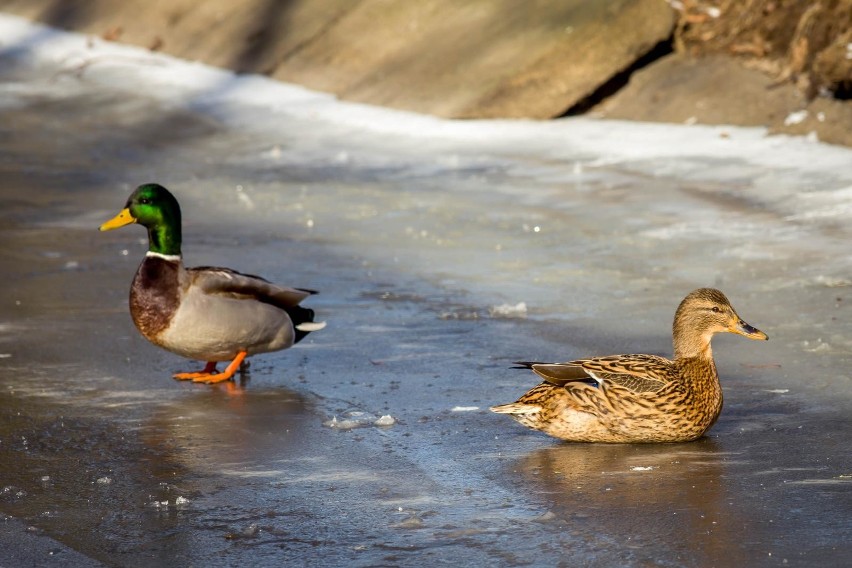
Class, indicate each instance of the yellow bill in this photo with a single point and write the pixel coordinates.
(120, 220)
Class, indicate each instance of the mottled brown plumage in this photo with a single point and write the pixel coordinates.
(637, 398)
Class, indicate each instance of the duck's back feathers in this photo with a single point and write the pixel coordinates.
(637, 373)
(228, 282)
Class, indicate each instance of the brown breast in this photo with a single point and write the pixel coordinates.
(154, 296)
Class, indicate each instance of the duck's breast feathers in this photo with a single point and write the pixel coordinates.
(155, 294)
(226, 282)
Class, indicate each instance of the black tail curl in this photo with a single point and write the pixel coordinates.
(298, 315)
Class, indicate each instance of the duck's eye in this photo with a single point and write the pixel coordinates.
(716, 310)
(145, 201)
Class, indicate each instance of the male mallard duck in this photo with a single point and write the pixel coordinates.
(637, 398)
(207, 313)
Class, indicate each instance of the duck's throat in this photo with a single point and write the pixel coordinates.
(164, 240)
(688, 344)
(703, 380)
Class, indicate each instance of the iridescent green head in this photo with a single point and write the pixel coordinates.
(155, 208)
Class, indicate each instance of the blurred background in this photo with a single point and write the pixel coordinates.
(784, 64)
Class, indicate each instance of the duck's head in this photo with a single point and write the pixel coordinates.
(154, 207)
(703, 313)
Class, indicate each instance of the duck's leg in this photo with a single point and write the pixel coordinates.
(232, 368)
(208, 370)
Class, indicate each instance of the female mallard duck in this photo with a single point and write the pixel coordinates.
(637, 398)
(206, 313)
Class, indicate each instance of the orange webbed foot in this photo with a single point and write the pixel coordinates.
(209, 369)
(209, 376)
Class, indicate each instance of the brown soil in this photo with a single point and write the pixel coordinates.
(806, 43)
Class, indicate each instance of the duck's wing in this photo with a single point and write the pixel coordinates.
(226, 282)
(637, 373)
(559, 374)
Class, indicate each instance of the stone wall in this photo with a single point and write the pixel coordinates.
(734, 62)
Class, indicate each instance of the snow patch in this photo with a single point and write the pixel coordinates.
(518, 310)
(358, 419)
(796, 117)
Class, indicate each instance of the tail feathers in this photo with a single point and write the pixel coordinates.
(516, 408)
(303, 322)
(524, 364)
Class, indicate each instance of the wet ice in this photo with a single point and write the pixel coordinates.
(430, 241)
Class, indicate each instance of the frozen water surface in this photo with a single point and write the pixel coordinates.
(443, 251)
